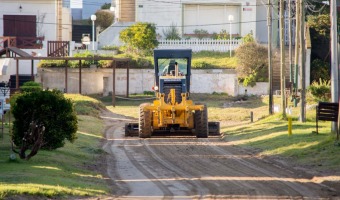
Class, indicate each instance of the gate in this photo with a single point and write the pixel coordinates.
(58, 48)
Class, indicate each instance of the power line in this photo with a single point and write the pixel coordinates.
(159, 26)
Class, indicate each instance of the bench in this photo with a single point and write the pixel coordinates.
(328, 112)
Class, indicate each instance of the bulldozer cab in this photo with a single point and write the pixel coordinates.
(173, 66)
(168, 67)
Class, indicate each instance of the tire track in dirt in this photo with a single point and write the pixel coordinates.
(191, 168)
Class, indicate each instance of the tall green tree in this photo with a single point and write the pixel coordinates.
(140, 38)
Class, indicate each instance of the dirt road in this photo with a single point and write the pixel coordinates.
(191, 168)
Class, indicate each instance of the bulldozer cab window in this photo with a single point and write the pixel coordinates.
(165, 65)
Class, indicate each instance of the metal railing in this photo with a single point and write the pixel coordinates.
(21, 42)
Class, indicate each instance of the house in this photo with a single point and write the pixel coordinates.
(31, 24)
(238, 17)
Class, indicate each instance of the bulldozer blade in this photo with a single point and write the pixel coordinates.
(214, 128)
(131, 129)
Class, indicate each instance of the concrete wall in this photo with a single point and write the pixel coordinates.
(100, 81)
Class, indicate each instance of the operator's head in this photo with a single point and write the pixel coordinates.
(172, 62)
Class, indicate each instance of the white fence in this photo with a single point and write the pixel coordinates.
(200, 44)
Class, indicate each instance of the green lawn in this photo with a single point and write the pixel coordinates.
(200, 60)
(270, 138)
(60, 173)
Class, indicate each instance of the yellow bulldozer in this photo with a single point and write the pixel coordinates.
(172, 111)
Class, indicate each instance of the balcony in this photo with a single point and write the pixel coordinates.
(20, 42)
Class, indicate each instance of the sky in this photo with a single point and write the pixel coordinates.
(89, 6)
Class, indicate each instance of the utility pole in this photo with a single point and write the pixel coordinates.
(334, 56)
(270, 67)
(297, 44)
(282, 61)
(290, 42)
(303, 61)
(275, 24)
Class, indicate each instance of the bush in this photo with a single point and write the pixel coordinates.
(49, 109)
(109, 47)
(52, 63)
(171, 33)
(224, 35)
(31, 86)
(201, 33)
(252, 59)
(139, 38)
(249, 38)
(75, 64)
(320, 70)
(320, 90)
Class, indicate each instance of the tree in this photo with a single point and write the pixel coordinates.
(43, 120)
(139, 38)
(106, 6)
(320, 36)
(104, 19)
(253, 63)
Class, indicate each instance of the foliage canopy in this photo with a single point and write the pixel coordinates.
(139, 38)
(253, 63)
(46, 108)
(320, 90)
(104, 19)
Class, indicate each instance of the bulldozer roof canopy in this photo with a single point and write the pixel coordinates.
(172, 53)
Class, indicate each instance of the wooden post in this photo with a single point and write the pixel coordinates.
(66, 62)
(79, 76)
(303, 61)
(32, 70)
(17, 76)
(282, 61)
(127, 78)
(114, 83)
(270, 67)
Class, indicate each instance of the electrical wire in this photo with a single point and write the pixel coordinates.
(157, 26)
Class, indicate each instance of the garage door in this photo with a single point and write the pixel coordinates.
(212, 18)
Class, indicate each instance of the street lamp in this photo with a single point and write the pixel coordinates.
(230, 18)
(93, 18)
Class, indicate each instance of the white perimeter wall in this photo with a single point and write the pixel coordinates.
(96, 81)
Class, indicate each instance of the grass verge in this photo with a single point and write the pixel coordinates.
(270, 138)
(67, 171)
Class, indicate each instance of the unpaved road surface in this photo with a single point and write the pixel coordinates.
(191, 168)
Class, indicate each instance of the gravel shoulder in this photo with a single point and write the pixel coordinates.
(182, 167)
